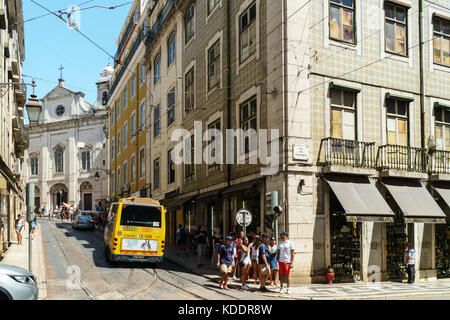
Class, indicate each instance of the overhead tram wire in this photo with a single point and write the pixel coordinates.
(54, 82)
(47, 14)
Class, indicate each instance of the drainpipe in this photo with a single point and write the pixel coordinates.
(422, 80)
(228, 81)
(285, 113)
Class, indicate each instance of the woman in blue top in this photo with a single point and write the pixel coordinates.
(273, 261)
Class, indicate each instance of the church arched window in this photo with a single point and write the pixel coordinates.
(104, 98)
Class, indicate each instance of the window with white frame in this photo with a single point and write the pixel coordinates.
(34, 162)
(118, 142)
(86, 160)
(189, 23)
(170, 167)
(142, 117)
(59, 160)
(125, 135)
(125, 97)
(171, 107)
(343, 114)
(142, 73)
(213, 126)
(396, 28)
(212, 4)
(442, 128)
(247, 32)
(113, 147)
(156, 173)
(342, 20)
(214, 65)
(133, 124)
(189, 167)
(248, 120)
(397, 122)
(441, 41)
(189, 91)
(156, 121)
(133, 86)
(141, 163)
(171, 48)
(133, 169)
(157, 68)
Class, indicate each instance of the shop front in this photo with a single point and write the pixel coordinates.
(356, 211)
(442, 233)
(417, 215)
(245, 196)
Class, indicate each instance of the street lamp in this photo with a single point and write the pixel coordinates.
(97, 177)
(33, 107)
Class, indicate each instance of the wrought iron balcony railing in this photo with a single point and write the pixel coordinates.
(348, 153)
(440, 162)
(402, 158)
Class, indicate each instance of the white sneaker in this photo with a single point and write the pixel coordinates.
(234, 278)
(288, 291)
(281, 290)
(245, 287)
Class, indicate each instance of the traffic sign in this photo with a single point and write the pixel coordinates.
(244, 217)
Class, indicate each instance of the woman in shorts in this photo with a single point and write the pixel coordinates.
(20, 227)
(254, 257)
(245, 262)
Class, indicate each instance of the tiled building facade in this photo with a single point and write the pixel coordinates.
(341, 81)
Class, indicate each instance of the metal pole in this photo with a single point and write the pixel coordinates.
(30, 208)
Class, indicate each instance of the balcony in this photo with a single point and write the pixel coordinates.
(402, 161)
(348, 156)
(440, 165)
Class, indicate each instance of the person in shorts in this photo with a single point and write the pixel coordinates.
(245, 261)
(285, 260)
(254, 258)
(273, 252)
(202, 243)
(263, 262)
(225, 261)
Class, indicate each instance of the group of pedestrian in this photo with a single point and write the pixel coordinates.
(258, 257)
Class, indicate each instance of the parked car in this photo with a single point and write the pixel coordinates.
(83, 222)
(17, 284)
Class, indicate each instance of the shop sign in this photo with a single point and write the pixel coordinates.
(244, 215)
(300, 152)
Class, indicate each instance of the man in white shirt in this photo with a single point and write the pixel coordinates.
(286, 260)
(410, 261)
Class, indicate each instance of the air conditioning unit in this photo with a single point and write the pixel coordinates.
(126, 188)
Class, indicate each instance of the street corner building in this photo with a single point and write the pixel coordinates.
(358, 94)
(13, 133)
(68, 152)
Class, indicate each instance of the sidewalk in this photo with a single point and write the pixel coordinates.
(348, 291)
(17, 255)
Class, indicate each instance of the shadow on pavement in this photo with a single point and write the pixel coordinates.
(93, 240)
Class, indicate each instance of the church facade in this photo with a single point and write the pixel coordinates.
(68, 157)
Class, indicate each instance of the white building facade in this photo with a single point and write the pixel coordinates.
(68, 157)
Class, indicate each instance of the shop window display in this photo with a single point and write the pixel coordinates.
(442, 251)
(345, 245)
(396, 241)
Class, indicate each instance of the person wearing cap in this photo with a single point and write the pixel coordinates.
(225, 261)
(285, 260)
(263, 262)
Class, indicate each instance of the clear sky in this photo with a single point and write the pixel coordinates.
(50, 43)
